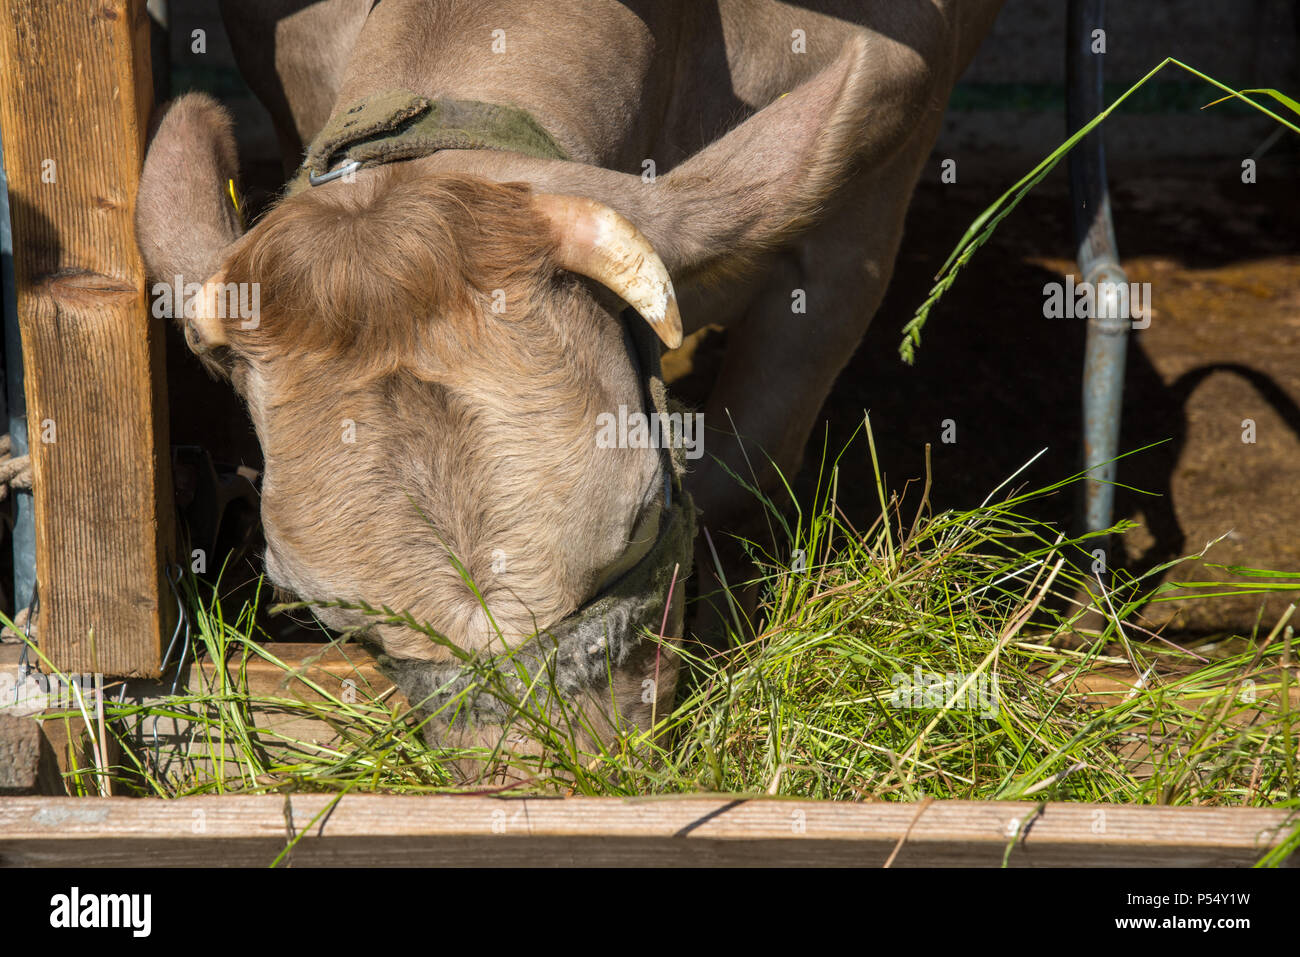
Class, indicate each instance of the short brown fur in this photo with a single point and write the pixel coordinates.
(377, 310)
(355, 274)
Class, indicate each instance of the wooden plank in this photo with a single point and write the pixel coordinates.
(171, 740)
(27, 763)
(441, 830)
(326, 666)
(74, 107)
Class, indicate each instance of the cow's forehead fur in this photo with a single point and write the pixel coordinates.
(357, 269)
(474, 429)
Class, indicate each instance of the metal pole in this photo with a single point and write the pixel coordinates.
(1098, 259)
(24, 534)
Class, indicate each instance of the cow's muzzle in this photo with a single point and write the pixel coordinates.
(579, 654)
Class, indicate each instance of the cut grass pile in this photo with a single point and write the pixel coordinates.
(924, 656)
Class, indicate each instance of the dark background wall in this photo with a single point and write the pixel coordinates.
(1012, 98)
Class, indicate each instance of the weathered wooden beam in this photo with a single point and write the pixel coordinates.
(181, 750)
(74, 107)
(706, 831)
(172, 740)
(27, 763)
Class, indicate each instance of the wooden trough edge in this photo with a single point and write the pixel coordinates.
(442, 830)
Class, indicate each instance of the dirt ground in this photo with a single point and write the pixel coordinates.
(1223, 261)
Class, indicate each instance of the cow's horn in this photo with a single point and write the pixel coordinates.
(601, 244)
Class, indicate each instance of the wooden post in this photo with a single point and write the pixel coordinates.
(74, 107)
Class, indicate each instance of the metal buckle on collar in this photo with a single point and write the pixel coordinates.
(343, 170)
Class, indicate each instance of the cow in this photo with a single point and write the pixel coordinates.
(445, 315)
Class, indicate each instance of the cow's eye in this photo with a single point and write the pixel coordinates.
(646, 526)
(645, 530)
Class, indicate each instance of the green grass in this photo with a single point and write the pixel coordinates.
(808, 705)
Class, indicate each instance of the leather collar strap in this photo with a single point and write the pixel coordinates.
(400, 125)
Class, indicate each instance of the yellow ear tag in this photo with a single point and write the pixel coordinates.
(234, 200)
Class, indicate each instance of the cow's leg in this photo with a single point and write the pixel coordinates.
(779, 365)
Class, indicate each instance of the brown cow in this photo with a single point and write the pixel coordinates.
(438, 333)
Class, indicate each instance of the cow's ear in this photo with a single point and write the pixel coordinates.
(185, 217)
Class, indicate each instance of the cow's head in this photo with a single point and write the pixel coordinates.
(425, 354)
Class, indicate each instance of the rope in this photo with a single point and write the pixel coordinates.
(15, 472)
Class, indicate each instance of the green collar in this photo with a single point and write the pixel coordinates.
(400, 125)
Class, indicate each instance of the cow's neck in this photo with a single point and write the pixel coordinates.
(591, 78)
